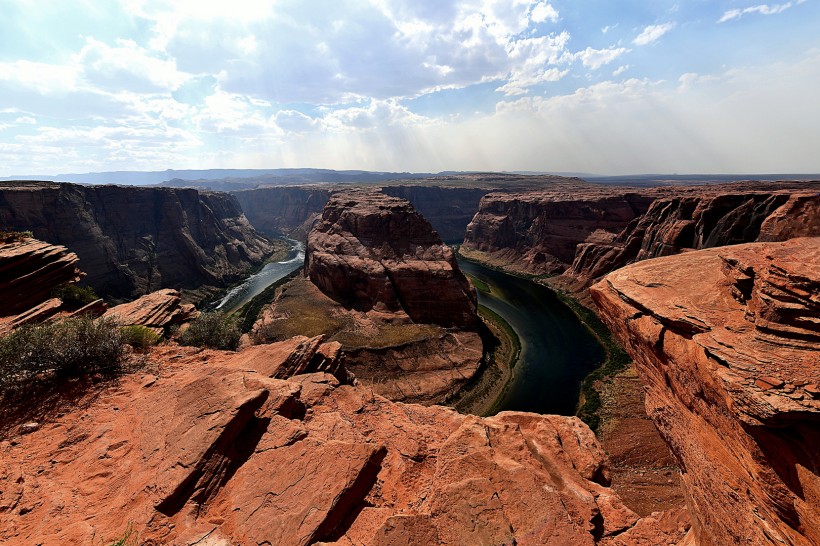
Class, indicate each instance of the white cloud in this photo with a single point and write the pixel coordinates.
(596, 58)
(127, 66)
(762, 9)
(542, 11)
(620, 70)
(652, 33)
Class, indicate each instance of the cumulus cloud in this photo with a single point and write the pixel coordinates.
(762, 9)
(652, 33)
(596, 58)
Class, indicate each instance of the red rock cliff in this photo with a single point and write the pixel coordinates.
(711, 218)
(372, 251)
(727, 341)
(133, 240)
(30, 270)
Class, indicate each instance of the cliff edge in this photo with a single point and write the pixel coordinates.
(727, 341)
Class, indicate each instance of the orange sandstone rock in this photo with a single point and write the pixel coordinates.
(728, 343)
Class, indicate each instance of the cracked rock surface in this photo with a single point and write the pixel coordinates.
(213, 448)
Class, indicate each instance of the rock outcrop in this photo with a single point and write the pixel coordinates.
(158, 311)
(134, 240)
(212, 450)
(727, 341)
(372, 251)
(30, 270)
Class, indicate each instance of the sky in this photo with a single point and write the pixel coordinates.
(593, 86)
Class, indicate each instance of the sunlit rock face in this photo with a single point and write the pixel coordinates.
(727, 341)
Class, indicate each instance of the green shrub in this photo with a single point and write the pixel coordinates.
(74, 296)
(13, 236)
(139, 337)
(212, 330)
(70, 348)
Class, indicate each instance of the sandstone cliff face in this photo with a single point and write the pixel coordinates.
(728, 343)
(285, 210)
(372, 251)
(449, 210)
(214, 450)
(538, 232)
(674, 224)
(133, 240)
(30, 270)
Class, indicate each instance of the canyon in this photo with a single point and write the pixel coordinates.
(379, 280)
(131, 241)
(323, 428)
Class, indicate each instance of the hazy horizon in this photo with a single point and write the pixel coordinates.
(610, 88)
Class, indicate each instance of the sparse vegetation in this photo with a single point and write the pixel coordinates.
(69, 348)
(139, 337)
(14, 236)
(214, 331)
(480, 285)
(616, 361)
(75, 296)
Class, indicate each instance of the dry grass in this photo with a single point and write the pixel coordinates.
(301, 309)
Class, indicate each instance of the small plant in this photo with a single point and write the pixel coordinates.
(70, 348)
(74, 296)
(213, 330)
(139, 337)
(14, 236)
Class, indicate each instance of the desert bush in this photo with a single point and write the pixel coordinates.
(14, 236)
(213, 330)
(139, 337)
(74, 296)
(68, 348)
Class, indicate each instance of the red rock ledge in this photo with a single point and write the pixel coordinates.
(728, 343)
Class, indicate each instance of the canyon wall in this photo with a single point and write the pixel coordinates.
(293, 210)
(289, 210)
(674, 224)
(727, 341)
(537, 232)
(131, 241)
(577, 233)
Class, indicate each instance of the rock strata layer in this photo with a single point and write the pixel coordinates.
(133, 240)
(213, 450)
(30, 270)
(372, 251)
(728, 343)
(157, 311)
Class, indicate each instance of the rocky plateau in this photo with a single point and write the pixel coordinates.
(727, 341)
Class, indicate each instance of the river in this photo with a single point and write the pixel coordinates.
(255, 284)
(557, 351)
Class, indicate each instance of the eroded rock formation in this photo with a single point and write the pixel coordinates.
(134, 240)
(213, 450)
(372, 251)
(158, 311)
(537, 232)
(30, 270)
(728, 343)
(709, 220)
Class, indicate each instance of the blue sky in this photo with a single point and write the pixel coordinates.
(601, 86)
